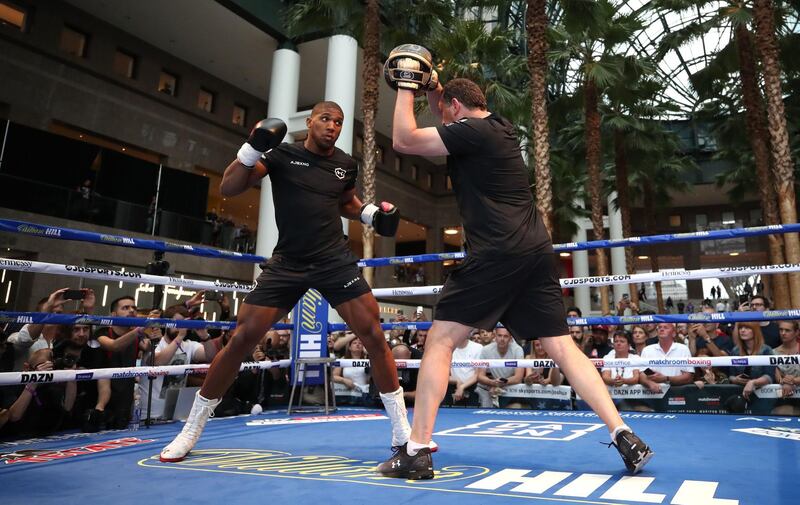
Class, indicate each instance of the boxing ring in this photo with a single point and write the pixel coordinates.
(486, 456)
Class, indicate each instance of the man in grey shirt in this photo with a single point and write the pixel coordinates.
(492, 381)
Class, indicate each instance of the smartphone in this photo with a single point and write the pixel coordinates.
(212, 296)
(74, 294)
(503, 380)
(648, 371)
(625, 296)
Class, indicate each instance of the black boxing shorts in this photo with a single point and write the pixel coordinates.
(523, 293)
(283, 281)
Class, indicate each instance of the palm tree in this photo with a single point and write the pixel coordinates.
(783, 167)
(716, 81)
(589, 36)
(536, 24)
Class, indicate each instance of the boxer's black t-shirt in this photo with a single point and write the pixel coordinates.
(306, 189)
(492, 188)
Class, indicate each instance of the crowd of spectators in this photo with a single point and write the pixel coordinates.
(36, 409)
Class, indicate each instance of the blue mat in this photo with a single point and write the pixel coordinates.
(485, 456)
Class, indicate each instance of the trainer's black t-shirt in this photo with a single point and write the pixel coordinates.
(306, 189)
(492, 188)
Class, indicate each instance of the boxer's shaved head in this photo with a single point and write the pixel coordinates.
(326, 105)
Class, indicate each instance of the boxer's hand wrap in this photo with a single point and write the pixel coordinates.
(409, 67)
(265, 135)
(385, 219)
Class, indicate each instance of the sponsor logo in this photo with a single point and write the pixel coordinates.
(351, 282)
(301, 163)
(16, 263)
(360, 363)
(471, 364)
(396, 261)
(547, 484)
(114, 239)
(405, 74)
(38, 230)
(127, 375)
(784, 360)
(236, 286)
(84, 376)
(577, 281)
(317, 419)
(523, 430)
(102, 271)
(676, 400)
(739, 361)
(510, 364)
(25, 319)
(402, 292)
(775, 432)
(401, 364)
(46, 456)
(672, 273)
(27, 378)
(701, 316)
(339, 172)
(781, 314)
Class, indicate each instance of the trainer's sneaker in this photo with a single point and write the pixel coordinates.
(403, 466)
(433, 446)
(634, 452)
(202, 409)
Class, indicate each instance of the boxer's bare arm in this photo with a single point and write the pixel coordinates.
(407, 138)
(238, 178)
(350, 205)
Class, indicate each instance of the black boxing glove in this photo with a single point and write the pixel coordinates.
(385, 219)
(408, 67)
(265, 135)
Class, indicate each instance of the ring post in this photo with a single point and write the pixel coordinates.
(309, 342)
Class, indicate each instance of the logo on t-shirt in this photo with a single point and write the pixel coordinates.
(339, 172)
(301, 163)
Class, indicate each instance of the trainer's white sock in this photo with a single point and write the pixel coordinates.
(395, 406)
(617, 430)
(413, 448)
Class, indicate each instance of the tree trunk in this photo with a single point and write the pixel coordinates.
(536, 28)
(595, 181)
(621, 165)
(759, 142)
(369, 105)
(649, 216)
(783, 168)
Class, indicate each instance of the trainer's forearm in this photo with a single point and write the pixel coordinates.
(404, 121)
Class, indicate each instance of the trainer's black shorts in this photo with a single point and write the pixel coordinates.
(522, 293)
(283, 281)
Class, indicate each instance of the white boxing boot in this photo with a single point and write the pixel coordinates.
(202, 409)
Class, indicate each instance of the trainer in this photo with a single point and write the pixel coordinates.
(510, 274)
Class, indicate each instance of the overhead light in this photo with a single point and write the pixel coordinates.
(451, 231)
(643, 257)
(565, 254)
(123, 149)
(733, 254)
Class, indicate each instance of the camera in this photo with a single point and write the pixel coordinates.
(213, 296)
(65, 362)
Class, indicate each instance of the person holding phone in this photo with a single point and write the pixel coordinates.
(666, 348)
(750, 342)
(493, 381)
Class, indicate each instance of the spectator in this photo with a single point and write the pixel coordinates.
(22, 340)
(639, 337)
(462, 379)
(406, 376)
(486, 337)
(40, 409)
(92, 396)
(666, 348)
(599, 346)
(769, 329)
(681, 307)
(492, 381)
(353, 377)
(542, 376)
(625, 304)
(650, 328)
(788, 376)
(708, 375)
(419, 340)
(750, 342)
(574, 312)
(682, 333)
(175, 349)
(620, 376)
(341, 344)
(581, 338)
(669, 304)
(122, 345)
(642, 293)
(689, 307)
(708, 335)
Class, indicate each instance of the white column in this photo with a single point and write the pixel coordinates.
(580, 265)
(340, 87)
(283, 88)
(618, 266)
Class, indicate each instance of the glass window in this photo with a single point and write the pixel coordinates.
(398, 164)
(239, 117)
(168, 83)
(414, 172)
(728, 217)
(701, 220)
(359, 148)
(379, 155)
(124, 64)
(13, 15)
(448, 182)
(73, 42)
(675, 220)
(429, 181)
(205, 100)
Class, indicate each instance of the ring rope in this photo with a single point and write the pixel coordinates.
(196, 324)
(9, 378)
(57, 232)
